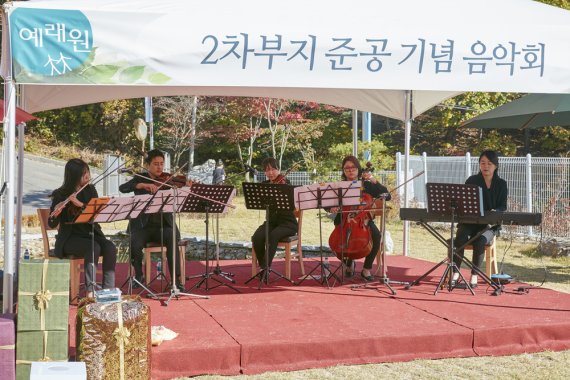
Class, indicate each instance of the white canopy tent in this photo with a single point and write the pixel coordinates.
(395, 59)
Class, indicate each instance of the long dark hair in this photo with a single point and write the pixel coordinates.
(74, 170)
(355, 162)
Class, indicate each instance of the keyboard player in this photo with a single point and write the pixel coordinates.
(495, 194)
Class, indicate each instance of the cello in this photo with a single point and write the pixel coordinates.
(351, 238)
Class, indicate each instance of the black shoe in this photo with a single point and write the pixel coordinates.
(368, 278)
(180, 288)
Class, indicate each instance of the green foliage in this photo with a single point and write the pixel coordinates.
(380, 159)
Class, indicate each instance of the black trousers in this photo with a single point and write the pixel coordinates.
(276, 233)
(376, 240)
(466, 232)
(77, 246)
(153, 234)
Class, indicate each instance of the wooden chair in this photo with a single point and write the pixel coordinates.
(490, 257)
(286, 243)
(157, 248)
(74, 262)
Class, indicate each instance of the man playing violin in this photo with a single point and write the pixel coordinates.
(152, 228)
(352, 171)
(282, 223)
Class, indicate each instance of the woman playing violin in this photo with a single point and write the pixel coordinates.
(282, 223)
(76, 239)
(352, 171)
(152, 228)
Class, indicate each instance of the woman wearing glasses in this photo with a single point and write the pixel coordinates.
(352, 171)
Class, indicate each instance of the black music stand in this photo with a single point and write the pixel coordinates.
(326, 195)
(209, 199)
(268, 197)
(455, 200)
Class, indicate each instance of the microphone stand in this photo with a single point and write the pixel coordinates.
(384, 279)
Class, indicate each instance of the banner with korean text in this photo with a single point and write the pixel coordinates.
(441, 45)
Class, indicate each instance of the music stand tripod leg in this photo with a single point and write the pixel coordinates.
(209, 275)
(132, 279)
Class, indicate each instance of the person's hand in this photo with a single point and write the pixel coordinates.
(58, 209)
(73, 199)
(150, 187)
(334, 210)
(368, 177)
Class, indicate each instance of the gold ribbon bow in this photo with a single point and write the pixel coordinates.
(122, 335)
(41, 299)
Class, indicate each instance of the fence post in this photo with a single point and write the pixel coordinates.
(424, 161)
(529, 188)
(398, 176)
(467, 165)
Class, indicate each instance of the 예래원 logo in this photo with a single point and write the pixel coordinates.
(50, 42)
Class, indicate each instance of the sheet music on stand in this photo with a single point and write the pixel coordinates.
(216, 197)
(259, 195)
(466, 199)
(306, 197)
(326, 195)
(92, 212)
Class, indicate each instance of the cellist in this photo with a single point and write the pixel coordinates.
(352, 171)
(155, 228)
(282, 223)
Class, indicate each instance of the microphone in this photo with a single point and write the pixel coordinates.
(251, 170)
(126, 170)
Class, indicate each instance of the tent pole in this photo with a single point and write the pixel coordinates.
(355, 133)
(408, 127)
(10, 138)
(20, 191)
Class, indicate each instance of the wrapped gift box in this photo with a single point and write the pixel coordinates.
(43, 295)
(35, 346)
(7, 347)
(113, 339)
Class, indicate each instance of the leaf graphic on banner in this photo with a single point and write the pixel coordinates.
(158, 78)
(131, 74)
(101, 73)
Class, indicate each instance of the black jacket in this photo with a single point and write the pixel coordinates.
(64, 219)
(141, 221)
(495, 197)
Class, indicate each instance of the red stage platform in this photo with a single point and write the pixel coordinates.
(283, 327)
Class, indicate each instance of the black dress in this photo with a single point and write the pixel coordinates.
(75, 240)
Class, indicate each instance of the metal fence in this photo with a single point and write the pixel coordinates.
(386, 177)
(536, 184)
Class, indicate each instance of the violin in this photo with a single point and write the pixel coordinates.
(351, 239)
(177, 181)
(281, 179)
